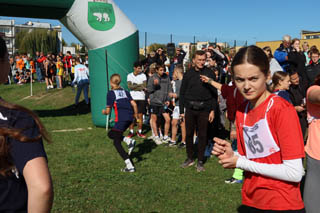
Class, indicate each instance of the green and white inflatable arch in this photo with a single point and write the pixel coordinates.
(98, 24)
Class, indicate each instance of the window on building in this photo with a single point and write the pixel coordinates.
(4, 30)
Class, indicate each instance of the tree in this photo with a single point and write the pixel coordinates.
(75, 46)
(141, 57)
(83, 49)
(37, 40)
(64, 43)
(155, 46)
(193, 50)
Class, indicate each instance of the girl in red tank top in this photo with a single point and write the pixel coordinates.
(270, 142)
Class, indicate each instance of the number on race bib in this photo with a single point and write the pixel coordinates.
(254, 144)
(257, 143)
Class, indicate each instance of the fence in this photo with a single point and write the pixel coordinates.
(148, 38)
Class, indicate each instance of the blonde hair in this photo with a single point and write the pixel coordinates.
(178, 69)
(152, 68)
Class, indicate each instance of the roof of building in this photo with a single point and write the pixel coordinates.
(308, 32)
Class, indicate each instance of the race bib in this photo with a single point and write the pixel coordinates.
(259, 141)
(120, 94)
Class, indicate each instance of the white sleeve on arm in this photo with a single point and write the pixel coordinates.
(76, 76)
(289, 170)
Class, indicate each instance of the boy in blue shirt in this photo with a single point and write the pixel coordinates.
(124, 108)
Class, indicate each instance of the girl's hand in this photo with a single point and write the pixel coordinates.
(222, 149)
(229, 163)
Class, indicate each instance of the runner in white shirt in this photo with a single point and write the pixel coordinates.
(137, 83)
(81, 78)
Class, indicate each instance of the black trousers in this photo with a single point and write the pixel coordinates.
(117, 137)
(196, 120)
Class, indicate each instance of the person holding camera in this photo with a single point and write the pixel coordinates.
(200, 101)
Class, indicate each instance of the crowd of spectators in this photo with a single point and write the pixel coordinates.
(203, 95)
(293, 68)
(56, 70)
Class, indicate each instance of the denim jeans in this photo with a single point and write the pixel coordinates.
(39, 75)
(82, 85)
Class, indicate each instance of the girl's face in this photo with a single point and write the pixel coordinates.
(296, 45)
(174, 75)
(250, 81)
(285, 83)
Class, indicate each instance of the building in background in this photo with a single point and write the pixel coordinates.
(10, 29)
(312, 37)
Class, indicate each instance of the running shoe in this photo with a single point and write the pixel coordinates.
(200, 167)
(233, 181)
(187, 163)
(182, 145)
(128, 170)
(172, 143)
(166, 140)
(140, 135)
(131, 146)
(157, 140)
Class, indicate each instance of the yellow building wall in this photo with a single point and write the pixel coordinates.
(304, 35)
(275, 44)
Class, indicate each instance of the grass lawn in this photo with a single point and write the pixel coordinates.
(85, 167)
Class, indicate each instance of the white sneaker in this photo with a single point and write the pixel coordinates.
(151, 137)
(128, 170)
(157, 140)
(131, 146)
(165, 140)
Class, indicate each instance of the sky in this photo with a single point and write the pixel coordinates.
(226, 20)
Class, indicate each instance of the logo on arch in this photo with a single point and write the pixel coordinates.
(101, 16)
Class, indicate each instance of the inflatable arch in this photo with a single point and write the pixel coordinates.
(98, 24)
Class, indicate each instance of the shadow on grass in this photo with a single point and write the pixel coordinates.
(71, 110)
(143, 148)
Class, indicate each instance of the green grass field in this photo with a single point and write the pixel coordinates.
(85, 167)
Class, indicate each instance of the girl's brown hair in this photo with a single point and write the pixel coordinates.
(277, 77)
(6, 162)
(251, 55)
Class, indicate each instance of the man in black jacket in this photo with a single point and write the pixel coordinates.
(297, 93)
(200, 101)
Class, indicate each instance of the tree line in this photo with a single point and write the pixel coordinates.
(37, 40)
